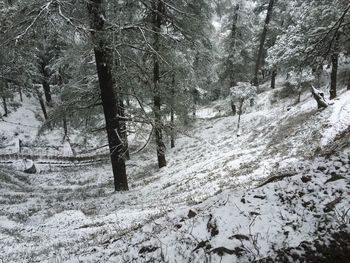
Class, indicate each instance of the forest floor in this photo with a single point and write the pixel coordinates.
(208, 204)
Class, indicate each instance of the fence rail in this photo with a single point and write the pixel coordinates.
(63, 161)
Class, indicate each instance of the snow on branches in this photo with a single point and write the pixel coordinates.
(241, 92)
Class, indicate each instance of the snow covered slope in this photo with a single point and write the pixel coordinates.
(73, 215)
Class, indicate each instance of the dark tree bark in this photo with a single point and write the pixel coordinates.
(45, 76)
(233, 80)
(4, 104)
(240, 112)
(172, 114)
(65, 126)
(42, 105)
(262, 43)
(109, 99)
(4, 101)
(334, 73)
(47, 92)
(273, 78)
(172, 139)
(299, 94)
(124, 132)
(20, 93)
(348, 87)
(233, 108)
(157, 7)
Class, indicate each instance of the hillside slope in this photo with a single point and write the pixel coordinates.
(73, 215)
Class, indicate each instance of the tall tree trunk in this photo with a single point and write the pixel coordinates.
(42, 105)
(20, 93)
(124, 132)
(4, 100)
(109, 99)
(47, 91)
(262, 43)
(45, 76)
(233, 80)
(157, 7)
(4, 104)
(172, 114)
(334, 61)
(273, 78)
(65, 126)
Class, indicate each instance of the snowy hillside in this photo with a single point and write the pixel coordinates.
(210, 204)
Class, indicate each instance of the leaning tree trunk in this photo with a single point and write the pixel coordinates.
(44, 82)
(47, 91)
(4, 104)
(262, 43)
(157, 7)
(20, 93)
(334, 61)
(109, 100)
(42, 105)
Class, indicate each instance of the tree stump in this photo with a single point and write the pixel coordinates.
(319, 97)
(31, 167)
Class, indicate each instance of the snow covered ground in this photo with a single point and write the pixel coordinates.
(203, 206)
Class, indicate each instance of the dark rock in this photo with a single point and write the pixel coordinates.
(202, 244)
(337, 164)
(334, 177)
(306, 179)
(191, 214)
(222, 251)
(212, 226)
(306, 204)
(331, 205)
(321, 168)
(254, 214)
(333, 173)
(148, 249)
(239, 237)
(31, 169)
(262, 197)
(178, 226)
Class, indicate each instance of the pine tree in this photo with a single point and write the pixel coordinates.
(109, 99)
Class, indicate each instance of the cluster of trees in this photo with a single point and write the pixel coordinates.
(315, 36)
(148, 61)
(132, 61)
(299, 38)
